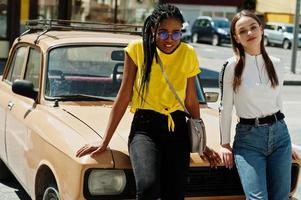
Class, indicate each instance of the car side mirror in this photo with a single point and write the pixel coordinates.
(211, 96)
(117, 55)
(24, 88)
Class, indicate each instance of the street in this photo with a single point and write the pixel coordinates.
(212, 58)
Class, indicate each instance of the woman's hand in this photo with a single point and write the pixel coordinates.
(295, 155)
(227, 155)
(212, 156)
(91, 149)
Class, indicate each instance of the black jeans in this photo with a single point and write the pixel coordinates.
(160, 159)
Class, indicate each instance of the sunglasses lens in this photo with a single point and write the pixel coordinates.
(176, 35)
(163, 35)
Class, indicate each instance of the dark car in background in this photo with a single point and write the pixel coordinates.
(213, 30)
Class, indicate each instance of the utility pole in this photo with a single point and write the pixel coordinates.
(296, 38)
(115, 11)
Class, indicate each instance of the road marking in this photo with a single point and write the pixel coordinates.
(297, 147)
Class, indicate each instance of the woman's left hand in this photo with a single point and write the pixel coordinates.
(295, 155)
(212, 156)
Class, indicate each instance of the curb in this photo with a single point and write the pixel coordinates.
(291, 82)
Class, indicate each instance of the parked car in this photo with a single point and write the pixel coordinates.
(280, 34)
(56, 94)
(186, 33)
(213, 30)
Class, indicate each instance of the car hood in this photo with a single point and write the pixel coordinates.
(96, 118)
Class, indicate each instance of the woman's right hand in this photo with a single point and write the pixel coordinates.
(91, 149)
(227, 155)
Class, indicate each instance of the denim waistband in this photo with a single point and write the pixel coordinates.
(270, 119)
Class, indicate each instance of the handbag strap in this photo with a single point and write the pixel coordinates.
(171, 87)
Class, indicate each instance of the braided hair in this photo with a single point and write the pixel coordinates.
(160, 13)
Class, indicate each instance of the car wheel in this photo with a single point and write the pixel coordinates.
(51, 193)
(266, 41)
(286, 44)
(4, 171)
(194, 38)
(215, 40)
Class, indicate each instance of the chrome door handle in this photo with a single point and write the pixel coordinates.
(10, 105)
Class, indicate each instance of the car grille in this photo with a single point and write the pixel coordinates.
(213, 182)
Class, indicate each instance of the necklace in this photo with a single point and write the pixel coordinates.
(259, 72)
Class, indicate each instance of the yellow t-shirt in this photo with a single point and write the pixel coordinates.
(179, 65)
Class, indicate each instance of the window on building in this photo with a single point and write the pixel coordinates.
(3, 19)
(48, 9)
(207, 13)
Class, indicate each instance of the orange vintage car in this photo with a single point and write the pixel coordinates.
(56, 94)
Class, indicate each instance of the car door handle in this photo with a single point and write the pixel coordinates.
(10, 105)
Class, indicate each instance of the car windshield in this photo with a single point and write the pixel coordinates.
(289, 29)
(87, 72)
(221, 23)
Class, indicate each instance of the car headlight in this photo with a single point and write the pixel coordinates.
(106, 182)
(222, 31)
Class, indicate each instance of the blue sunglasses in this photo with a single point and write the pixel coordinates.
(164, 35)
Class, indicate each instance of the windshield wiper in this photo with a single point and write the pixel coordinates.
(77, 97)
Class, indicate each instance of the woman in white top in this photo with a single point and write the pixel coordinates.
(252, 81)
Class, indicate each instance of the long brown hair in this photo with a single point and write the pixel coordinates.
(240, 53)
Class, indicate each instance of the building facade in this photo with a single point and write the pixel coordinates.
(277, 10)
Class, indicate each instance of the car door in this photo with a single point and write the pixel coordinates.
(19, 110)
(272, 33)
(15, 72)
(207, 30)
(198, 28)
(279, 35)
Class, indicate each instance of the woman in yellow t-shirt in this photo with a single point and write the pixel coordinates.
(158, 142)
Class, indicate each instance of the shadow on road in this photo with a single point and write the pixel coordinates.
(12, 190)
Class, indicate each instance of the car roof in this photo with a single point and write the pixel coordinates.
(279, 24)
(212, 18)
(49, 33)
(57, 38)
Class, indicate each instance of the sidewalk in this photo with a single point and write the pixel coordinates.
(210, 76)
(292, 79)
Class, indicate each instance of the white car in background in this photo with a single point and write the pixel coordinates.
(280, 34)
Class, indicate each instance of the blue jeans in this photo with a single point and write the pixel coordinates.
(263, 159)
(159, 158)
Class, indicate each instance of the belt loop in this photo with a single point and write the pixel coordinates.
(256, 121)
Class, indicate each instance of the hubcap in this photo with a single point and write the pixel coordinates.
(215, 40)
(195, 38)
(286, 44)
(51, 193)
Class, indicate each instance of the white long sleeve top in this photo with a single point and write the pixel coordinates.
(255, 96)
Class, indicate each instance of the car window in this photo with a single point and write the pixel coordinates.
(289, 29)
(16, 66)
(205, 23)
(33, 67)
(270, 27)
(202, 23)
(221, 23)
(279, 28)
(88, 70)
